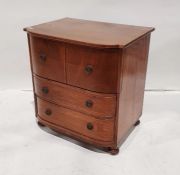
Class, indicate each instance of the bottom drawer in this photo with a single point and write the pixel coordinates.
(98, 129)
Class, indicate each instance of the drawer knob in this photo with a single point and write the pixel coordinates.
(42, 57)
(45, 90)
(89, 126)
(89, 103)
(48, 112)
(88, 69)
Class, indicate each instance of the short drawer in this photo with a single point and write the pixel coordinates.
(96, 104)
(91, 68)
(48, 58)
(98, 129)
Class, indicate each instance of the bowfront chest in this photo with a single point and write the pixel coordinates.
(89, 78)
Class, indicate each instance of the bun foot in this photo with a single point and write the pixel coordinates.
(137, 123)
(40, 124)
(113, 151)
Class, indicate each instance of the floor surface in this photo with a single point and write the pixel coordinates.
(153, 148)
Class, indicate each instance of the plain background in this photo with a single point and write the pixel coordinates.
(164, 58)
(151, 149)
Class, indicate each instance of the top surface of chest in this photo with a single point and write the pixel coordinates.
(91, 33)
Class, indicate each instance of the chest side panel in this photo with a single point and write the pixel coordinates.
(132, 84)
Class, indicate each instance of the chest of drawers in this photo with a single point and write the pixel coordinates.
(89, 78)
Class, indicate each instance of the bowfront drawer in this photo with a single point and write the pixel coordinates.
(48, 58)
(97, 129)
(96, 104)
(92, 69)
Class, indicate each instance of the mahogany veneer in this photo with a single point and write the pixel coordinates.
(89, 78)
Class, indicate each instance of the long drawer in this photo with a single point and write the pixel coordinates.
(91, 103)
(98, 129)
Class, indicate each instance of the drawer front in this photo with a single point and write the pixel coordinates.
(92, 69)
(99, 105)
(48, 58)
(85, 125)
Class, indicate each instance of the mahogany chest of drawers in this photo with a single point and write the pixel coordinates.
(89, 78)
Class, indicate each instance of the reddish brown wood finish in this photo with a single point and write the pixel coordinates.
(102, 129)
(48, 58)
(132, 83)
(104, 65)
(101, 62)
(103, 105)
(90, 33)
(78, 136)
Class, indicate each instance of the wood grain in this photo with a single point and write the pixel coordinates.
(53, 65)
(90, 33)
(75, 121)
(130, 98)
(104, 63)
(104, 105)
(76, 136)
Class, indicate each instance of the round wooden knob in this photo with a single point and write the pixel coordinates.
(42, 57)
(48, 112)
(89, 126)
(89, 103)
(45, 90)
(88, 69)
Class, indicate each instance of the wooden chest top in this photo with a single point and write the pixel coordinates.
(90, 33)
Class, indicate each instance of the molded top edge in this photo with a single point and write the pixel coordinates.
(90, 33)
